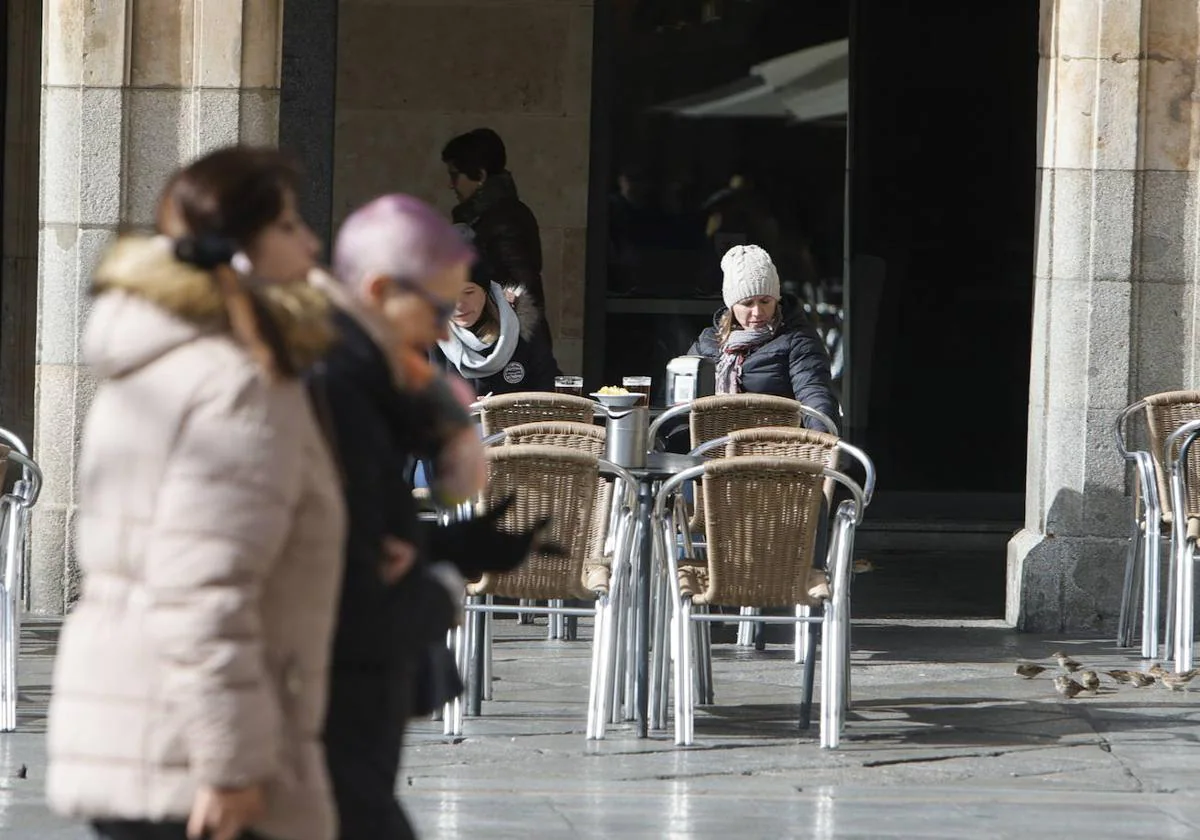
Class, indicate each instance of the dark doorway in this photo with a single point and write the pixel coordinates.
(913, 210)
(940, 245)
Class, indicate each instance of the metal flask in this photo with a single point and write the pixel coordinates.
(627, 431)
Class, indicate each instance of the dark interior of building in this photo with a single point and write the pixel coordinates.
(911, 212)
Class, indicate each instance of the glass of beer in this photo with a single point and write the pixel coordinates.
(572, 385)
(638, 385)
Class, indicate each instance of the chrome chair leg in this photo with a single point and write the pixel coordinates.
(803, 633)
(489, 638)
(810, 675)
(1185, 616)
(525, 618)
(1131, 588)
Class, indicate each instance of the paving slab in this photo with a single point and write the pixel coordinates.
(944, 741)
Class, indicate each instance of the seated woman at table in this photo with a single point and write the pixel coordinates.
(763, 343)
(495, 341)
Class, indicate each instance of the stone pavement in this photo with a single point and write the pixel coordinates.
(943, 742)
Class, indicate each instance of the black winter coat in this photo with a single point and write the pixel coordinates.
(376, 429)
(793, 364)
(506, 235)
(532, 367)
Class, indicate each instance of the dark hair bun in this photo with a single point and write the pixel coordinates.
(206, 251)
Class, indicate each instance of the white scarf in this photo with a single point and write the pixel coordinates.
(466, 351)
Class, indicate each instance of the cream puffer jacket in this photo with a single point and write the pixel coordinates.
(210, 536)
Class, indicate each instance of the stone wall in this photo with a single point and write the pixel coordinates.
(414, 73)
(1116, 310)
(131, 90)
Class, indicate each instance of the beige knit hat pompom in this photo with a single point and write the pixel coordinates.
(748, 272)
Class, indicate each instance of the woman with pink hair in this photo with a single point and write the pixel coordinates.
(400, 267)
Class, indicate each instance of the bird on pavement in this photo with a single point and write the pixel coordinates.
(1176, 682)
(1157, 670)
(1090, 680)
(1066, 662)
(1028, 670)
(1066, 686)
(1120, 676)
(1139, 680)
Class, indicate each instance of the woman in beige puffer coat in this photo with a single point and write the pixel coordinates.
(190, 684)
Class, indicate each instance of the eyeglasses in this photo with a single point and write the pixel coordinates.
(440, 308)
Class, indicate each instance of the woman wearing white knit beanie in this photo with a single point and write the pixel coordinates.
(762, 342)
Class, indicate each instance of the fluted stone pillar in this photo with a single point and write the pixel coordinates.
(1115, 313)
(132, 89)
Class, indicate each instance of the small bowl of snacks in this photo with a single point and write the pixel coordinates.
(613, 396)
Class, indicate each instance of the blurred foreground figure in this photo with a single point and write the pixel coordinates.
(400, 268)
(190, 684)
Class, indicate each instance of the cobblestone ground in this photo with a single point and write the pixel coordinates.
(943, 742)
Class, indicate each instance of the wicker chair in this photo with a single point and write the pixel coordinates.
(584, 437)
(806, 445)
(713, 418)
(762, 516)
(581, 437)
(14, 526)
(1153, 516)
(558, 484)
(504, 410)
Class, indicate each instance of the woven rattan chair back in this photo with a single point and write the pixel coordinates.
(785, 442)
(1165, 413)
(582, 437)
(547, 482)
(506, 410)
(762, 514)
(714, 417)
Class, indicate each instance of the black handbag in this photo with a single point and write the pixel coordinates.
(436, 680)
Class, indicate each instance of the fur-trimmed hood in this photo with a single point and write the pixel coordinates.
(147, 303)
(528, 313)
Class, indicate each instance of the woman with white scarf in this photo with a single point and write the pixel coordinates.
(762, 342)
(494, 340)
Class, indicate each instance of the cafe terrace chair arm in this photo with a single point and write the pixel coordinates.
(1148, 517)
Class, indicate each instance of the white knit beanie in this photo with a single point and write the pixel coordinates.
(749, 273)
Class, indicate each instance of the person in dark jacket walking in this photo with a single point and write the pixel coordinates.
(494, 341)
(762, 343)
(399, 268)
(506, 231)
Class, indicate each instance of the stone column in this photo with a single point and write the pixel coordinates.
(1115, 313)
(132, 89)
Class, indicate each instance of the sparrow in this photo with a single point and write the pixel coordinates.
(1139, 680)
(1157, 670)
(862, 566)
(1090, 680)
(1066, 686)
(1066, 662)
(1029, 670)
(1121, 676)
(1176, 682)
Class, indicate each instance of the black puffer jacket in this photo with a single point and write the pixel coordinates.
(532, 366)
(506, 235)
(793, 364)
